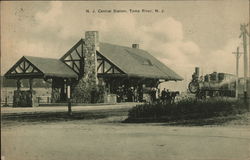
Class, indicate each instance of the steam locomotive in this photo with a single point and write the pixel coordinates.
(214, 84)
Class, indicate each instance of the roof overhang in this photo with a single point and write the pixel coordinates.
(25, 68)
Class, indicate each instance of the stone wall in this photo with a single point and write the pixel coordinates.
(25, 98)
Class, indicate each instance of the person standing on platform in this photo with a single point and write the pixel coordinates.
(168, 97)
(163, 95)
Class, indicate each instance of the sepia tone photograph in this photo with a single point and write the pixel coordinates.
(125, 80)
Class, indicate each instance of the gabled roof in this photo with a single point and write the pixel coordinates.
(136, 62)
(131, 61)
(43, 67)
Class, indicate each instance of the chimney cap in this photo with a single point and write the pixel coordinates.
(93, 31)
(135, 46)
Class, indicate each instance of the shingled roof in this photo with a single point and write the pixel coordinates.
(52, 67)
(137, 62)
(45, 67)
(133, 62)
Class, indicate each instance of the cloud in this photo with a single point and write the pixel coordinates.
(222, 60)
(166, 30)
(29, 48)
(165, 38)
(17, 49)
(48, 18)
(65, 22)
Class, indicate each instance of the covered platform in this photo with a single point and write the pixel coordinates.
(52, 70)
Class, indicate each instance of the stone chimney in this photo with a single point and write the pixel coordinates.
(92, 39)
(87, 84)
(92, 45)
(135, 46)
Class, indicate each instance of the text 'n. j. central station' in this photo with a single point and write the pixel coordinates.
(125, 11)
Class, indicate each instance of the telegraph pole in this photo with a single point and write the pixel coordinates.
(237, 54)
(244, 33)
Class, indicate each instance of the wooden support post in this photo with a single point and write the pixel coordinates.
(31, 84)
(18, 84)
(31, 92)
(6, 101)
(69, 97)
(63, 96)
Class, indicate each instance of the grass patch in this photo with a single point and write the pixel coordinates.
(186, 109)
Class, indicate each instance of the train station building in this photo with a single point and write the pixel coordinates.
(96, 72)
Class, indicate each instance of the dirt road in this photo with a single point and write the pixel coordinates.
(109, 139)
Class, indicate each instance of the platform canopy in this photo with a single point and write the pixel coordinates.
(38, 67)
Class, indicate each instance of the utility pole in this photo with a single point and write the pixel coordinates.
(237, 54)
(244, 33)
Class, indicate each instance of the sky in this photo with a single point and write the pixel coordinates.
(183, 35)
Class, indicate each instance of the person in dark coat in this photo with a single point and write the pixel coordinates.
(168, 97)
(163, 95)
(130, 94)
(153, 95)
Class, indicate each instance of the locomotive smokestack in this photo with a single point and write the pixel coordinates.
(135, 46)
(197, 71)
